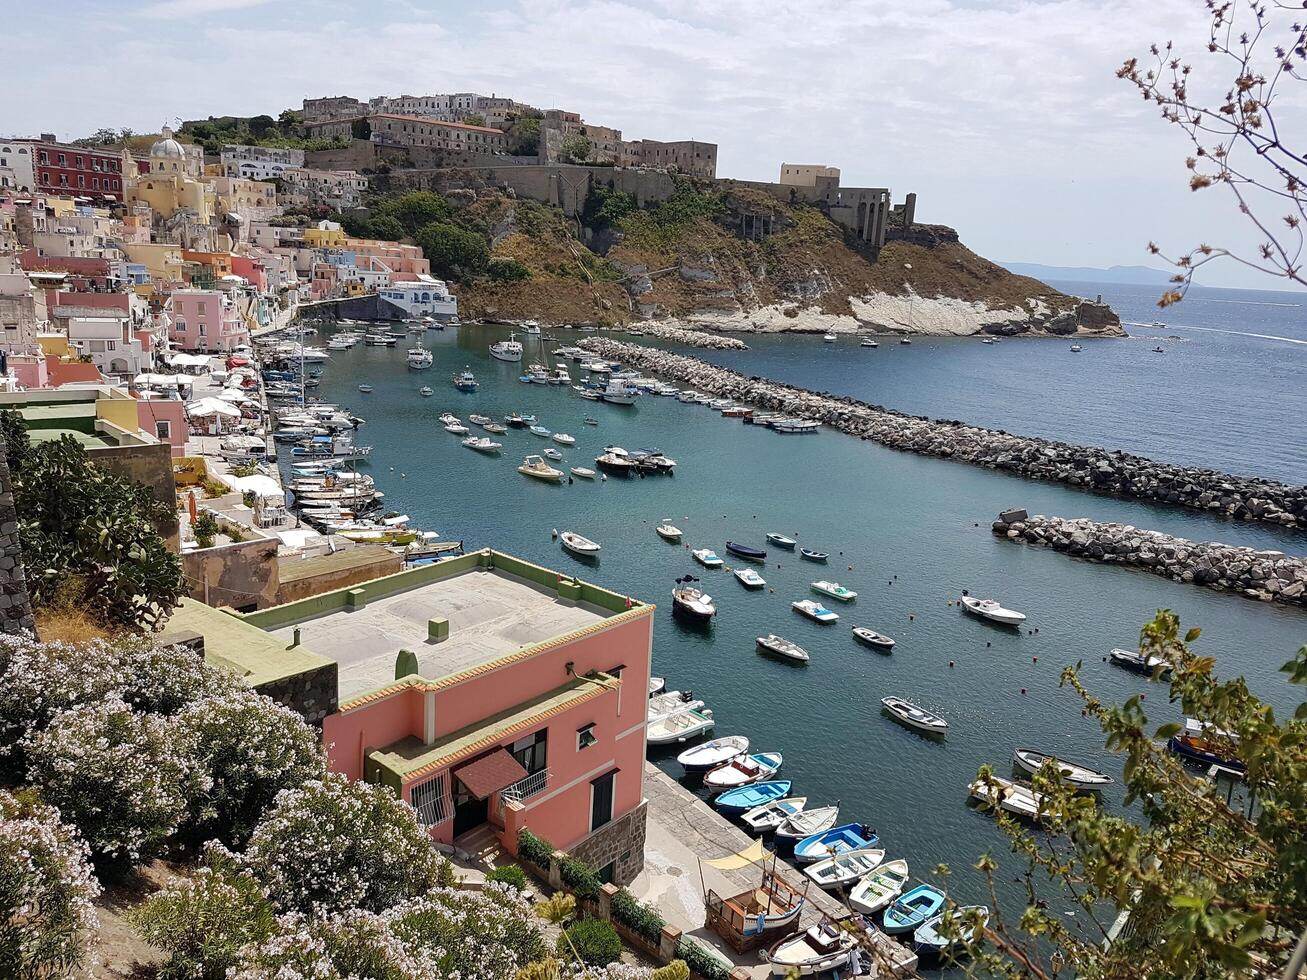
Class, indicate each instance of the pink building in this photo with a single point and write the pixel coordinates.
(206, 320)
(491, 694)
(165, 419)
(252, 271)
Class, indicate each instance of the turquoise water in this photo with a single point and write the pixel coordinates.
(914, 530)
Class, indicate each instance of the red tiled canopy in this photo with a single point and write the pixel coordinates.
(490, 773)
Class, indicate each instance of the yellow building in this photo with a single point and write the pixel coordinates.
(325, 234)
(166, 188)
(161, 260)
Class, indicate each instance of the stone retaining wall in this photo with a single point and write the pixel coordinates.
(1097, 470)
(1271, 576)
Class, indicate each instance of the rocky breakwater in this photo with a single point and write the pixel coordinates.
(1096, 470)
(692, 338)
(1271, 576)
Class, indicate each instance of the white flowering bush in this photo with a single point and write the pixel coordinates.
(39, 680)
(353, 945)
(334, 844)
(250, 748)
(471, 935)
(47, 919)
(122, 778)
(204, 921)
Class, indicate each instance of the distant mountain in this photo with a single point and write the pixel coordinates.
(1135, 275)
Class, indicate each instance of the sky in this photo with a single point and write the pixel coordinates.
(1005, 117)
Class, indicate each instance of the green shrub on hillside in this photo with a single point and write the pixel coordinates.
(595, 942)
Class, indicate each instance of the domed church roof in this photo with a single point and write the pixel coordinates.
(166, 146)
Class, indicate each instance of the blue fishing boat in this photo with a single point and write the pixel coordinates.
(736, 801)
(746, 551)
(837, 840)
(913, 909)
(1206, 745)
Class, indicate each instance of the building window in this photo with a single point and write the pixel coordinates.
(163, 430)
(601, 800)
(201, 329)
(585, 737)
(431, 802)
(531, 752)
(63, 160)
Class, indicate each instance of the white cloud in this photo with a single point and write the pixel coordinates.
(191, 8)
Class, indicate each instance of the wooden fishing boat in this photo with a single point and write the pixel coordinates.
(877, 889)
(1015, 798)
(913, 909)
(869, 637)
(1081, 777)
(818, 556)
(756, 917)
(1207, 745)
(837, 840)
(769, 816)
(743, 770)
(579, 545)
(747, 552)
(712, 754)
(781, 541)
(807, 823)
(780, 647)
(841, 869)
(737, 801)
(909, 714)
(822, 948)
(929, 938)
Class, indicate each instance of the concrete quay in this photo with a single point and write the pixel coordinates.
(1089, 468)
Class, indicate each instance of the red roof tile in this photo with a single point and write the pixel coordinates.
(490, 773)
(71, 372)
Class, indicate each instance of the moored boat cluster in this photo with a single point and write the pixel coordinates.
(1099, 470)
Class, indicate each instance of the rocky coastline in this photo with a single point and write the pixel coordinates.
(692, 338)
(1271, 576)
(1097, 470)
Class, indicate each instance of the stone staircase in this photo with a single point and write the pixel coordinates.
(479, 847)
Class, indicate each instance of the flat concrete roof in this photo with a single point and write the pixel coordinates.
(88, 440)
(229, 642)
(491, 613)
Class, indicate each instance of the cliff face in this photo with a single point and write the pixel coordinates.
(743, 261)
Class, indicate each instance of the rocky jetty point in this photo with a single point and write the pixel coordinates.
(1271, 576)
(1097, 470)
(692, 338)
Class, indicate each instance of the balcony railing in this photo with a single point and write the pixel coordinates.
(524, 789)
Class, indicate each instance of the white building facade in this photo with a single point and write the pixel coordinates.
(424, 296)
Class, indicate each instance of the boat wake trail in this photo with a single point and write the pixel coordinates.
(1233, 333)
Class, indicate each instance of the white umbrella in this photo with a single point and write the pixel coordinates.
(206, 407)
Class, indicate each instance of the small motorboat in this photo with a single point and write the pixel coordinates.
(1016, 798)
(552, 453)
(1207, 745)
(769, 816)
(540, 430)
(834, 590)
(879, 888)
(809, 555)
(781, 647)
(780, 540)
(591, 421)
(807, 823)
(869, 637)
(905, 341)
(737, 801)
(515, 421)
(482, 444)
(840, 870)
(579, 545)
(425, 391)
(535, 466)
(707, 558)
(814, 611)
(583, 472)
(616, 460)
(913, 909)
(745, 551)
(691, 603)
(712, 754)
(868, 342)
(929, 938)
(366, 389)
(481, 420)
(679, 726)
(914, 717)
(495, 427)
(829, 338)
(1076, 348)
(819, 950)
(563, 439)
(457, 429)
(750, 579)
(836, 840)
(988, 340)
(529, 419)
(465, 380)
(656, 685)
(1159, 350)
(1081, 777)
(744, 770)
(448, 418)
(992, 610)
(669, 531)
(1137, 662)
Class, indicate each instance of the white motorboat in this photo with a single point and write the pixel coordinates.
(712, 754)
(750, 579)
(531, 328)
(425, 391)
(506, 350)
(419, 358)
(841, 869)
(1076, 348)
(449, 418)
(656, 684)
(687, 396)
(824, 948)
(993, 610)
(563, 439)
(834, 590)
(1137, 662)
(669, 531)
(1019, 800)
(583, 472)
(679, 727)
(743, 770)
(807, 823)
(771, 815)
(880, 887)
(619, 393)
(579, 545)
(869, 343)
(871, 638)
(366, 389)
(554, 454)
(781, 647)
(482, 444)
(707, 558)
(1081, 777)
(540, 430)
(829, 338)
(535, 466)
(913, 716)
(669, 703)
(905, 341)
(814, 611)
(780, 540)
(691, 603)
(457, 429)
(482, 420)
(465, 380)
